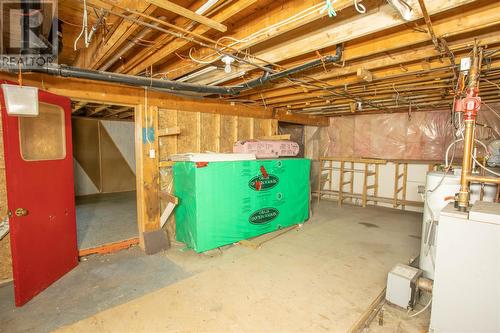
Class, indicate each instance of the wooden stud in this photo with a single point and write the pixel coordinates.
(396, 182)
(147, 171)
(169, 131)
(405, 178)
(276, 137)
(179, 10)
(341, 182)
(330, 178)
(364, 74)
(351, 179)
(375, 190)
(365, 181)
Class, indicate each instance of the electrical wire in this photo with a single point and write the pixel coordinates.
(485, 168)
(262, 32)
(422, 310)
(84, 26)
(359, 7)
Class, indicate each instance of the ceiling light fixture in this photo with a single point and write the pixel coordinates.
(228, 61)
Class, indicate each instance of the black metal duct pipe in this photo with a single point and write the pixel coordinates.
(301, 68)
(132, 80)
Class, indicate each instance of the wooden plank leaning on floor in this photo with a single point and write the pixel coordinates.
(109, 248)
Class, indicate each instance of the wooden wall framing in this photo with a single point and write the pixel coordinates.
(202, 132)
(204, 125)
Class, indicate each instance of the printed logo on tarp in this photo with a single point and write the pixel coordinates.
(259, 183)
(263, 216)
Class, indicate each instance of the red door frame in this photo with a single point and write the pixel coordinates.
(43, 243)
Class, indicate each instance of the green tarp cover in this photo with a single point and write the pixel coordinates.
(224, 202)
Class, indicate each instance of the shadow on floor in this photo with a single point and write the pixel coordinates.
(101, 282)
(106, 218)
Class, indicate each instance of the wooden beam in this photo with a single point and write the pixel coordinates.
(98, 52)
(276, 137)
(179, 10)
(97, 110)
(335, 33)
(151, 238)
(154, 55)
(272, 16)
(386, 47)
(78, 106)
(101, 92)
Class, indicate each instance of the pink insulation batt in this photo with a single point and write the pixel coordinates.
(419, 136)
(267, 149)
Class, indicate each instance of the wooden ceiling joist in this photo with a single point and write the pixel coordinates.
(172, 7)
(403, 61)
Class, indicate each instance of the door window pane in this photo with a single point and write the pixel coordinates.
(43, 137)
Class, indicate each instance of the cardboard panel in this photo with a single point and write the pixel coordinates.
(86, 147)
(117, 176)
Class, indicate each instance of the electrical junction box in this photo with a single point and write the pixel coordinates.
(465, 64)
(402, 286)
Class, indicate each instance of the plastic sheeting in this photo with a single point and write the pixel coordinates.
(224, 202)
(423, 136)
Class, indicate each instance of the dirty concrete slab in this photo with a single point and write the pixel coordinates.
(99, 283)
(320, 277)
(106, 218)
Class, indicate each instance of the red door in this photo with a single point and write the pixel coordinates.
(39, 171)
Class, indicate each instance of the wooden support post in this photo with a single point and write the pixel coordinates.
(330, 178)
(341, 183)
(151, 238)
(365, 185)
(396, 183)
(351, 185)
(320, 171)
(405, 178)
(375, 191)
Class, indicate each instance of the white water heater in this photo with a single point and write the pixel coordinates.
(436, 198)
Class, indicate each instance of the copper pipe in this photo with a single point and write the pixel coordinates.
(483, 179)
(463, 195)
(470, 122)
(425, 284)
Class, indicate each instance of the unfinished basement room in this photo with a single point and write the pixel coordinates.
(260, 166)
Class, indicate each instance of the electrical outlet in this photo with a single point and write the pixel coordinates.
(152, 153)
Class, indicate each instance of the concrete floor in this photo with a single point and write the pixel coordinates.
(320, 277)
(105, 218)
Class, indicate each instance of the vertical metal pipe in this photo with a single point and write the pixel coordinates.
(470, 122)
